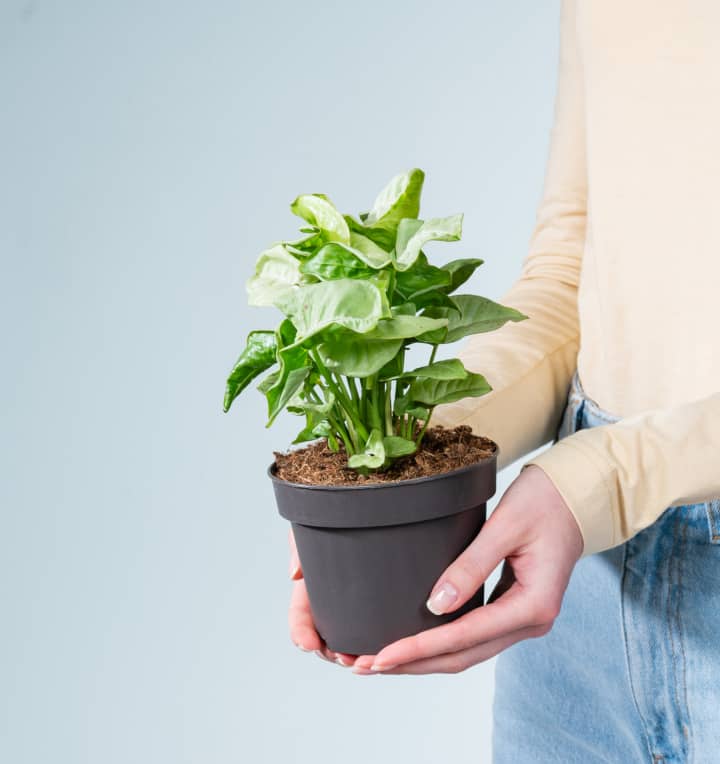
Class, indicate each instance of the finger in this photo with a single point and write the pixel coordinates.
(453, 663)
(344, 659)
(302, 628)
(325, 653)
(468, 572)
(295, 569)
(303, 631)
(516, 609)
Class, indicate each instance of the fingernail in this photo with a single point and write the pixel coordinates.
(382, 667)
(304, 649)
(294, 570)
(442, 599)
(362, 671)
(339, 660)
(319, 654)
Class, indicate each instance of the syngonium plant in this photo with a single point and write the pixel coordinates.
(356, 293)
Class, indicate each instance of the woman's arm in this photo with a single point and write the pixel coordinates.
(530, 364)
(617, 479)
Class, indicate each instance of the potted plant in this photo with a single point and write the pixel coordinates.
(379, 501)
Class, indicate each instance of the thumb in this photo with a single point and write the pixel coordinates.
(295, 569)
(470, 570)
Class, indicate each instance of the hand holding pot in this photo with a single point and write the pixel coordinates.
(533, 530)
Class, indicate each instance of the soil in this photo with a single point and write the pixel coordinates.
(442, 450)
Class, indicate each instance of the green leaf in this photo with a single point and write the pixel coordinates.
(435, 336)
(259, 354)
(407, 228)
(356, 305)
(268, 382)
(433, 299)
(419, 412)
(373, 456)
(403, 406)
(461, 270)
(284, 389)
(294, 370)
(420, 279)
(411, 238)
(393, 368)
(355, 356)
(300, 404)
(368, 251)
(473, 315)
(383, 237)
(449, 369)
(286, 333)
(304, 436)
(306, 246)
(399, 199)
(334, 261)
(320, 212)
(314, 428)
(404, 309)
(405, 327)
(433, 392)
(395, 447)
(276, 272)
(360, 248)
(322, 429)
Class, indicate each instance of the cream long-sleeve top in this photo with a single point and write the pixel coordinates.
(622, 278)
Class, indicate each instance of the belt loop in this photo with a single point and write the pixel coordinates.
(572, 416)
(713, 515)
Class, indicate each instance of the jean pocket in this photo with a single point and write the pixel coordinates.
(713, 514)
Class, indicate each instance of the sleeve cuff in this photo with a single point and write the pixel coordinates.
(584, 481)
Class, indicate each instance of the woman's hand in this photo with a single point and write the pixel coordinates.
(535, 532)
(302, 628)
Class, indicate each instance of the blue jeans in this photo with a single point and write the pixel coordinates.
(630, 671)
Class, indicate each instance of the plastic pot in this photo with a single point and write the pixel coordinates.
(371, 553)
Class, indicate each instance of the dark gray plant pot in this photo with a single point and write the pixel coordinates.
(371, 554)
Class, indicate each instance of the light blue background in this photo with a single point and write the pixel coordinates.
(148, 152)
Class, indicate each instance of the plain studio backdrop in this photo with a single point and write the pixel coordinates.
(148, 152)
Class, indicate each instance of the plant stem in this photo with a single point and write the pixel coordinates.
(353, 391)
(347, 410)
(353, 434)
(432, 354)
(338, 427)
(312, 395)
(381, 393)
(389, 428)
(420, 436)
(373, 411)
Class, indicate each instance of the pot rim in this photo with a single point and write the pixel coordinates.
(383, 484)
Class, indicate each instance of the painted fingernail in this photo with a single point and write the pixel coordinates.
(442, 598)
(382, 667)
